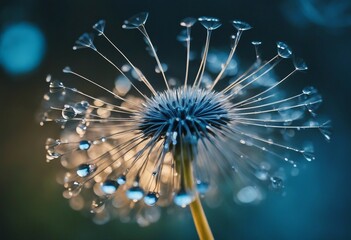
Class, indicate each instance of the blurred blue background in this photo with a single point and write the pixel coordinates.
(36, 38)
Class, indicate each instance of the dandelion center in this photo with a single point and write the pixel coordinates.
(183, 113)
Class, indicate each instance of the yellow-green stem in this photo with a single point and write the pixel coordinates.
(202, 227)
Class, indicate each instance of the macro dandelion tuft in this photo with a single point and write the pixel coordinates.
(151, 143)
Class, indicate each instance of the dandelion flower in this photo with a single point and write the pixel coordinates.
(141, 147)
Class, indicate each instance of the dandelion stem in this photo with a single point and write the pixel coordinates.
(202, 227)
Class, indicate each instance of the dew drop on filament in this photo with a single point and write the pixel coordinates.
(135, 193)
(68, 112)
(121, 180)
(84, 145)
(151, 198)
(56, 86)
(284, 50)
(109, 186)
(85, 170)
(277, 183)
(202, 187)
(97, 206)
(182, 198)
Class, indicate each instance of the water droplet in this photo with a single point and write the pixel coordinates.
(309, 90)
(56, 86)
(135, 193)
(97, 206)
(100, 27)
(188, 22)
(248, 194)
(277, 183)
(182, 198)
(121, 180)
(151, 198)
(85, 41)
(84, 145)
(300, 64)
(85, 170)
(51, 155)
(202, 187)
(284, 50)
(73, 188)
(68, 112)
(109, 186)
(241, 26)
(136, 21)
(81, 107)
(210, 23)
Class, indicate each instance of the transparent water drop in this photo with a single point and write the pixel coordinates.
(97, 206)
(121, 180)
(248, 194)
(85, 170)
(202, 187)
(241, 26)
(135, 193)
(81, 107)
(136, 21)
(277, 183)
(284, 50)
(182, 198)
(100, 27)
(309, 90)
(109, 186)
(73, 188)
(68, 112)
(151, 198)
(210, 23)
(84, 145)
(308, 155)
(85, 41)
(188, 22)
(300, 64)
(51, 155)
(56, 86)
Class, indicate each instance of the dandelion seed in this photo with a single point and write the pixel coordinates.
(145, 149)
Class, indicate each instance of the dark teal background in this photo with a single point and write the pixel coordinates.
(317, 204)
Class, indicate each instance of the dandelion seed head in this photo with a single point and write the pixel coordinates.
(131, 151)
(184, 113)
